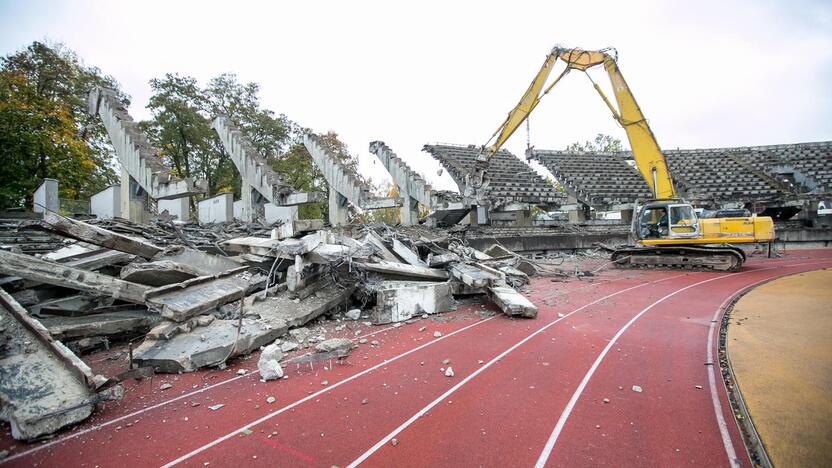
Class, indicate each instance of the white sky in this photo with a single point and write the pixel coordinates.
(706, 73)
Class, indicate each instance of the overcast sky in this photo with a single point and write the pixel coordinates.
(706, 73)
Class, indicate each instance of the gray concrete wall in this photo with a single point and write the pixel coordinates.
(106, 203)
(46, 197)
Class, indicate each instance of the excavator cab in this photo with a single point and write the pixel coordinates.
(667, 219)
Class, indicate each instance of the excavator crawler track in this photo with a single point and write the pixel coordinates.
(701, 258)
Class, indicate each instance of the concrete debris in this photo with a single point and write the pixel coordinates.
(44, 386)
(201, 295)
(449, 372)
(269, 362)
(342, 346)
(271, 400)
(637, 389)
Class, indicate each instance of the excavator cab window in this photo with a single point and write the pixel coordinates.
(653, 222)
(683, 222)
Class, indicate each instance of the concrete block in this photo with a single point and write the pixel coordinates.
(397, 301)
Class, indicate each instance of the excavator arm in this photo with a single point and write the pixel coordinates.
(646, 153)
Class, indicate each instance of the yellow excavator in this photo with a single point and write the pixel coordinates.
(666, 230)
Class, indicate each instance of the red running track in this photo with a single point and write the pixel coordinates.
(555, 391)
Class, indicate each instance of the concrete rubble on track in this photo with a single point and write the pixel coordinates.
(194, 297)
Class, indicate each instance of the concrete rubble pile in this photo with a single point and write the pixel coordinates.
(243, 288)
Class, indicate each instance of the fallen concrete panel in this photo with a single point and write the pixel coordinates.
(407, 254)
(71, 306)
(401, 269)
(385, 253)
(105, 324)
(477, 276)
(294, 228)
(101, 259)
(512, 302)
(264, 322)
(397, 301)
(97, 236)
(206, 264)
(34, 269)
(43, 385)
(158, 273)
(182, 301)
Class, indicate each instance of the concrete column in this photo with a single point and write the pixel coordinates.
(339, 214)
(133, 199)
(409, 212)
(473, 216)
(46, 197)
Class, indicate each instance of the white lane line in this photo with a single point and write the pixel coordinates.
(149, 408)
(720, 417)
(317, 394)
(550, 443)
(482, 368)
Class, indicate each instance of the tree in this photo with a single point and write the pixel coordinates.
(389, 216)
(45, 130)
(602, 144)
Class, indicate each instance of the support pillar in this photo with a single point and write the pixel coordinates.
(253, 203)
(409, 212)
(473, 216)
(339, 214)
(577, 216)
(133, 199)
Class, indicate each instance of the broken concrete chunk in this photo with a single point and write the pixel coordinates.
(300, 334)
(269, 362)
(339, 345)
(397, 301)
(512, 302)
(158, 273)
(288, 346)
(353, 314)
(205, 320)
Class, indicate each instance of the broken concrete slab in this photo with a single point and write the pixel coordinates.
(179, 302)
(43, 385)
(71, 306)
(397, 301)
(34, 269)
(294, 228)
(442, 260)
(206, 264)
(407, 254)
(477, 276)
(512, 302)
(264, 321)
(98, 236)
(106, 324)
(404, 270)
(382, 251)
(158, 273)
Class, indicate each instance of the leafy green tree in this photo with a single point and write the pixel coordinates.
(45, 130)
(601, 144)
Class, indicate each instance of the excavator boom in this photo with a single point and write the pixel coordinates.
(668, 232)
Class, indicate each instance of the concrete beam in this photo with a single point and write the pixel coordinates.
(138, 159)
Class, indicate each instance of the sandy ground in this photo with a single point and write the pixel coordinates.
(780, 345)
